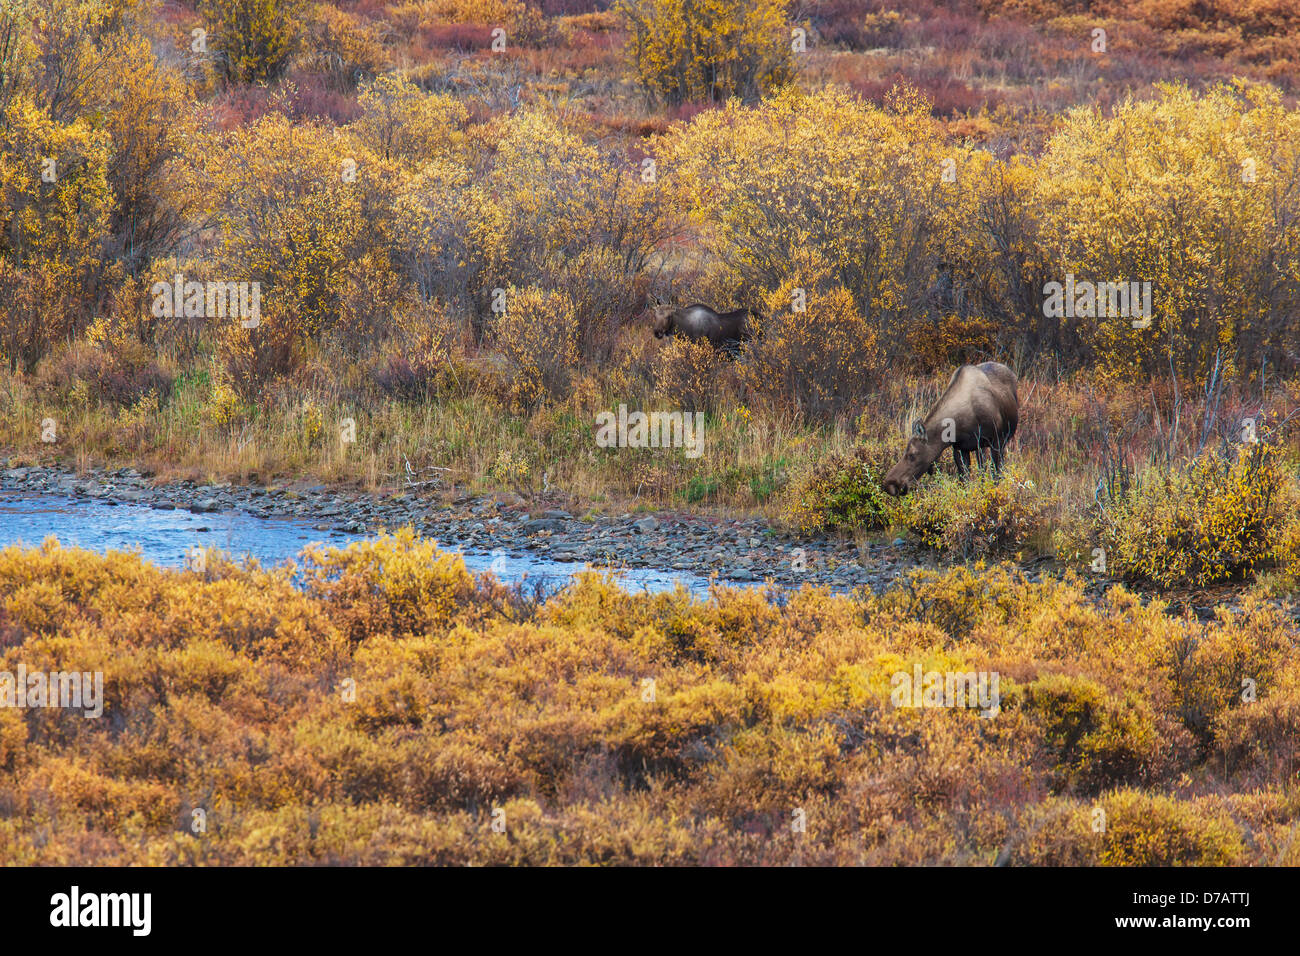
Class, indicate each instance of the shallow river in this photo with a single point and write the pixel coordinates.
(163, 537)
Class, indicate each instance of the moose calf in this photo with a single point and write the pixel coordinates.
(725, 330)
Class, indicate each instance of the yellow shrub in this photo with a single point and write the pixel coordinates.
(1178, 191)
(1094, 740)
(51, 233)
(256, 38)
(538, 335)
(1261, 740)
(838, 193)
(977, 517)
(1128, 828)
(381, 706)
(1211, 519)
(840, 493)
(1144, 830)
(814, 352)
(686, 51)
(401, 121)
(289, 217)
(392, 584)
(563, 213)
(346, 45)
(692, 375)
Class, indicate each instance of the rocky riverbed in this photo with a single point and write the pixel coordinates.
(743, 551)
(739, 550)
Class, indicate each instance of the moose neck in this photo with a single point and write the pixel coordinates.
(933, 443)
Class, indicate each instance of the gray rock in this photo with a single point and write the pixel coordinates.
(533, 525)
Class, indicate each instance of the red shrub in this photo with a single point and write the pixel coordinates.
(462, 37)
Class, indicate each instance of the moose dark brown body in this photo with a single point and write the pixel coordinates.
(723, 329)
(978, 410)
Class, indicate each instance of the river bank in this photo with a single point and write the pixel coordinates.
(739, 550)
(656, 548)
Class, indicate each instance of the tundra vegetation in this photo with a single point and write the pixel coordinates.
(457, 214)
(392, 707)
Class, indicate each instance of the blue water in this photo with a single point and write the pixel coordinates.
(164, 537)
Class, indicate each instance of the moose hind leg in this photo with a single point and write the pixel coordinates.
(962, 457)
(996, 451)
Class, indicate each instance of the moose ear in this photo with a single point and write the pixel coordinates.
(918, 430)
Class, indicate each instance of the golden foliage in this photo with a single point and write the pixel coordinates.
(1214, 518)
(1194, 193)
(400, 121)
(840, 493)
(824, 183)
(690, 374)
(688, 51)
(981, 516)
(256, 38)
(382, 709)
(538, 335)
(814, 352)
(55, 204)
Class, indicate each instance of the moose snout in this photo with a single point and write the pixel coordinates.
(892, 487)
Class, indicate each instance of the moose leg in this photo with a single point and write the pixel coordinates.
(962, 457)
(996, 450)
(979, 455)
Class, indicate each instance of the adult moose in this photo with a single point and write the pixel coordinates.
(725, 330)
(978, 410)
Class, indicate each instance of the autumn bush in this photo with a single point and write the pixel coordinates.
(569, 216)
(686, 51)
(1209, 519)
(1193, 193)
(1242, 30)
(1130, 828)
(825, 183)
(456, 246)
(345, 46)
(108, 366)
(401, 121)
(23, 336)
(379, 704)
(1094, 740)
(842, 492)
(289, 218)
(55, 204)
(1260, 740)
(982, 516)
(425, 354)
(812, 350)
(254, 39)
(690, 374)
(538, 335)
